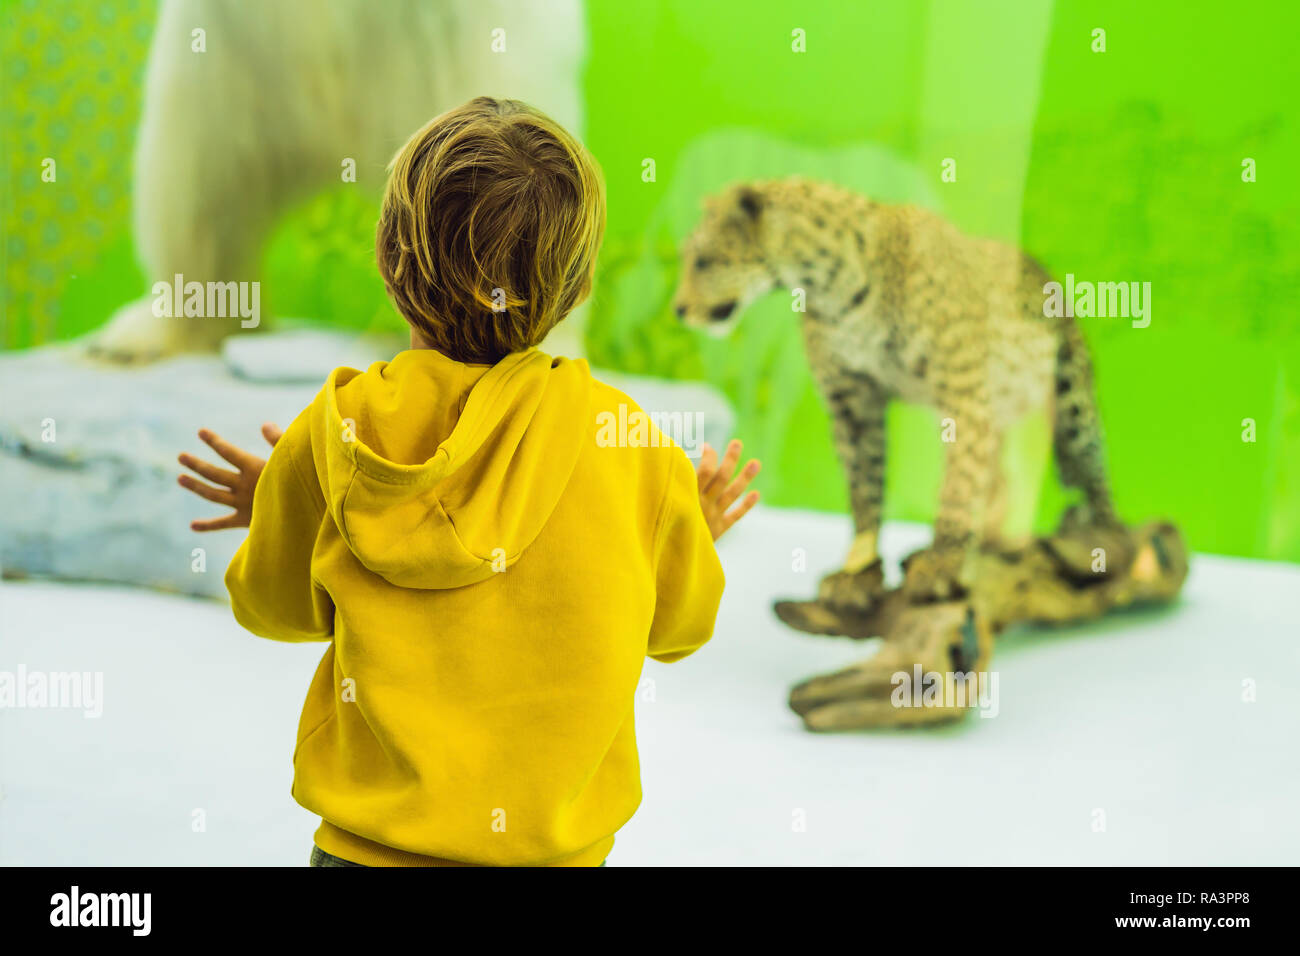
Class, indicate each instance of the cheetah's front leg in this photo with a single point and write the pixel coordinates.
(857, 405)
(941, 573)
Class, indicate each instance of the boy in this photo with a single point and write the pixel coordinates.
(489, 576)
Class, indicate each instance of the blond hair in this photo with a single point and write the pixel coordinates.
(489, 228)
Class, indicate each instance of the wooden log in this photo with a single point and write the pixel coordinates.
(1075, 574)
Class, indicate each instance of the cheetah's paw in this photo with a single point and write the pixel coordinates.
(934, 575)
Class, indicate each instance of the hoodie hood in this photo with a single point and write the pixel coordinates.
(439, 473)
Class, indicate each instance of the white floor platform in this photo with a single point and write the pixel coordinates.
(1140, 716)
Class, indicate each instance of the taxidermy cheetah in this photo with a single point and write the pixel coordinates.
(899, 304)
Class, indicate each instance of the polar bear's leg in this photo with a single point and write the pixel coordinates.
(210, 173)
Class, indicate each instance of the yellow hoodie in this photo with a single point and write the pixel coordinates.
(490, 573)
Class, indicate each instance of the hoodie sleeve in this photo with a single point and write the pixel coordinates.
(269, 579)
(688, 575)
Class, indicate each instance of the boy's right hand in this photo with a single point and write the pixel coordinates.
(716, 495)
(236, 487)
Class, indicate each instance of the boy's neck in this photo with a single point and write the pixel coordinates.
(418, 341)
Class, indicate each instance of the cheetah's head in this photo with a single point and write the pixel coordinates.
(724, 266)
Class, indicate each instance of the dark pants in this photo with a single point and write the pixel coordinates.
(320, 858)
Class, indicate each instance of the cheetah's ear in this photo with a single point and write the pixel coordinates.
(750, 201)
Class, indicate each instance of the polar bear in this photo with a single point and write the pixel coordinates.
(251, 107)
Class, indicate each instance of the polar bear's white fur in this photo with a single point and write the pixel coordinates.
(282, 93)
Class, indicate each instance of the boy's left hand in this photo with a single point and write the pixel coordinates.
(236, 487)
(719, 491)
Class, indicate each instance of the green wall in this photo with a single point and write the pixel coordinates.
(1122, 165)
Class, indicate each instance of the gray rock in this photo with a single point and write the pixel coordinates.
(303, 355)
(88, 451)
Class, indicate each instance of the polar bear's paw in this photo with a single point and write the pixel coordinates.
(135, 335)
